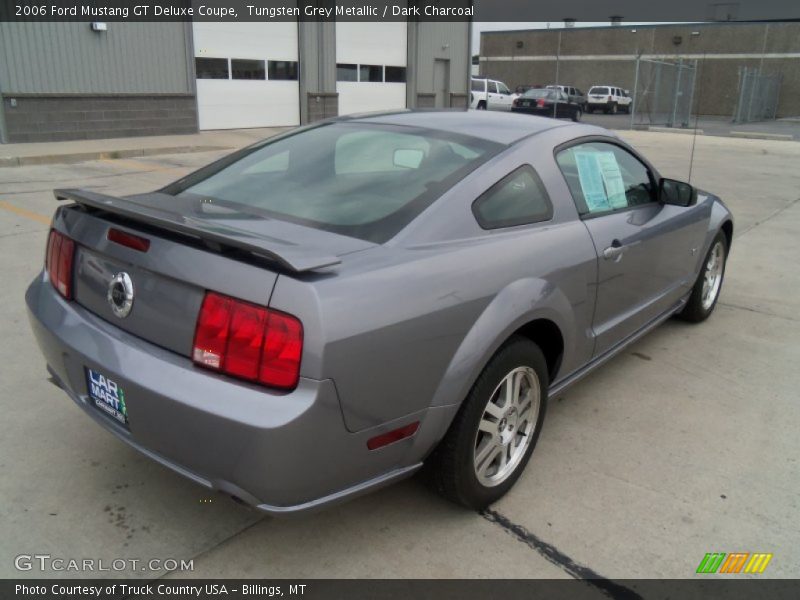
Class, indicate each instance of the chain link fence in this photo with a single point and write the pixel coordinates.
(663, 92)
(758, 96)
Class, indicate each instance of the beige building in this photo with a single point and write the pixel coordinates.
(607, 55)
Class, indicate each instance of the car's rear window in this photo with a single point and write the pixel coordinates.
(540, 93)
(363, 180)
(599, 90)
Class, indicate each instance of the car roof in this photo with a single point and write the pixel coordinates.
(500, 127)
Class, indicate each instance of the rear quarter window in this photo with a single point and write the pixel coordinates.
(520, 198)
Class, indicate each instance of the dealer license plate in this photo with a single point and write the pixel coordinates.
(107, 396)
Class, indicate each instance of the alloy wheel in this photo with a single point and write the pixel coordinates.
(712, 276)
(507, 426)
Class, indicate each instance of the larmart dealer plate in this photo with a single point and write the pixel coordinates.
(107, 396)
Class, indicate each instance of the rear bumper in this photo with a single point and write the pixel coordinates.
(280, 452)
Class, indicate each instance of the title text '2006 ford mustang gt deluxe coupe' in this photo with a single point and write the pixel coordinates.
(321, 313)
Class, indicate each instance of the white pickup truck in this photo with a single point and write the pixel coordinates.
(490, 94)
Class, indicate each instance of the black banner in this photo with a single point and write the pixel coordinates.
(701, 588)
(395, 10)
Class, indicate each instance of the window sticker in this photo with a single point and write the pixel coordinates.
(591, 178)
(612, 178)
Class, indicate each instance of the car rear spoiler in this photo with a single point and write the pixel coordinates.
(289, 256)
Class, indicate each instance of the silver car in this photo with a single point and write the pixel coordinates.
(327, 311)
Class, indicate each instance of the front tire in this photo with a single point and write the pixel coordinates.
(706, 290)
(496, 429)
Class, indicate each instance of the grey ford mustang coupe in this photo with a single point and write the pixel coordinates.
(324, 312)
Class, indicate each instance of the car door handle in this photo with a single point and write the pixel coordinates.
(614, 251)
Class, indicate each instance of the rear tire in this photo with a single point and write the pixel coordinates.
(576, 116)
(481, 105)
(708, 286)
(496, 429)
(613, 108)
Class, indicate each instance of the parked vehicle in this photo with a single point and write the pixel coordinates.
(609, 99)
(321, 313)
(521, 89)
(575, 95)
(490, 94)
(548, 102)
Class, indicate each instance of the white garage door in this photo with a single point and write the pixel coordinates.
(371, 66)
(247, 74)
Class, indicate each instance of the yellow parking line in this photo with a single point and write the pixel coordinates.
(22, 212)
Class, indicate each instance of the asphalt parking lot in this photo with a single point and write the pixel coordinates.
(685, 444)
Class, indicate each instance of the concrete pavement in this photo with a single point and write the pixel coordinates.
(683, 445)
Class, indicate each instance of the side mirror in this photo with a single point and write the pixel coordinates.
(408, 158)
(676, 193)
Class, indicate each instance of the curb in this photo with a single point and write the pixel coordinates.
(754, 135)
(48, 159)
(680, 130)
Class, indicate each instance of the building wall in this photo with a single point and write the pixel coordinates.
(590, 56)
(317, 47)
(64, 81)
(429, 41)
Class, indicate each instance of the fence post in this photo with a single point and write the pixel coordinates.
(635, 91)
(752, 93)
(677, 93)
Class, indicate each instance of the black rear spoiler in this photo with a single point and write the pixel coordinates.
(289, 256)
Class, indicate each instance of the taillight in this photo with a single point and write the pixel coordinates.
(540, 103)
(610, 98)
(58, 262)
(515, 102)
(248, 341)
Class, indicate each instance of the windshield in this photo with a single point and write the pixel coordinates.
(599, 90)
(363, 180)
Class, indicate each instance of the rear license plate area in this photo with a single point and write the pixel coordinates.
(107, 396)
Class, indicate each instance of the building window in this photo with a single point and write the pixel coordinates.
(211, 68)
(245, 68)
(371, 73)
(346, 72)
(283, 69)
(395, 74)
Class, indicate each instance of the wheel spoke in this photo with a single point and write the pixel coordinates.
(494, 410)
(487, 426)
(487, 456)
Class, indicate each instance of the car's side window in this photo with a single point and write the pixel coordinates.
(519, 198)
(604, 177)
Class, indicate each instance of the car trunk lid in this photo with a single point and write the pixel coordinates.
(192, 248)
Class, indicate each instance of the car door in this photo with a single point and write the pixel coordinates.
(492, 96)
(646, 250)
(505, 99)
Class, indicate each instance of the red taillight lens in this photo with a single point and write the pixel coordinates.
(58, 262)
(515, 102)
(129, 240)
(211, 335)
(610, 98)
(243, 355)
(283, 347)
(248, 341)
(540, 103)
